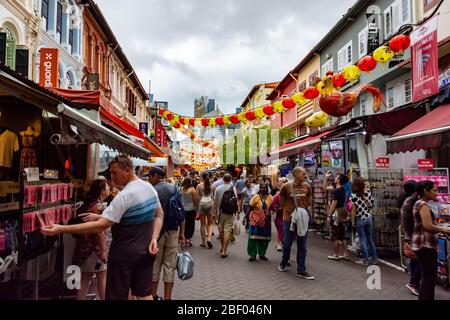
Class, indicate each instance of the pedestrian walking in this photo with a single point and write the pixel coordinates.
(226, 206)
(136, 218)
(294, 196)
(260, 224)
(247, 195)
(190, 203)
(278, 212)
(204, 190)
(171, 234)
(362, 205)
(425, 236)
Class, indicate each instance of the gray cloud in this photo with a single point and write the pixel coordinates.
(189, 48)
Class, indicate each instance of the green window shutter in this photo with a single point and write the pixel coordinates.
(22, 61)
(2, 47)
(11, 53)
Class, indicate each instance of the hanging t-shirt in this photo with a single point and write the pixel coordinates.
(133, 212)
(8, 145)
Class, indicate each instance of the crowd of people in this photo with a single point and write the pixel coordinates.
(148, 220)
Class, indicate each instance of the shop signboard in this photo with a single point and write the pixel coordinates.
(425, 71)
(444, 78)
(373, 38)
(48, 75)
(426, 164)
(337, 153)
(93, 81)
(382, 163)
(143, 127)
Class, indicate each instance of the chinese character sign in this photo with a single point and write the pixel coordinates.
(424, 57)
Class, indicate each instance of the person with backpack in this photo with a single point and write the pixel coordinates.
(190, 203)
(172, 231)
(406, 203)
(204, 190)
(260, 230)
(226, 206)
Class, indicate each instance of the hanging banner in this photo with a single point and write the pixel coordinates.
(424, 57)
(48, 75)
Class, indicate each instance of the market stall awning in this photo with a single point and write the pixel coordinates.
(425, 133)
(93, 132)
(87, 99)
(295, 147)
(131, 130)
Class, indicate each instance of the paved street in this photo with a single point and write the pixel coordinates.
(237, 278)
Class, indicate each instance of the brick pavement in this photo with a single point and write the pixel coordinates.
(236, 278)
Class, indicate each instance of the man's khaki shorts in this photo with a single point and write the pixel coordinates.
(226, 222)
(166, 258)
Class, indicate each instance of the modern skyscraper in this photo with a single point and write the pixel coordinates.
(211, 106)
(200, 106)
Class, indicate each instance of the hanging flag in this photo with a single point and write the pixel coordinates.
(424, 57)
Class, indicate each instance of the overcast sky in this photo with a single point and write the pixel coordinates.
(217, 48)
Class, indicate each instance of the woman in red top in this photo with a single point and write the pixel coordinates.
(91, 250)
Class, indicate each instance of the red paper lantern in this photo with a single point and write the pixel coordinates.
(192, 136)
(311, 93)
(182, 121)
(367, 64)
(220, 122)
(177, 125)
(400, 43)
(250, 115)
(268, 111)
(288, 103)
(234, 119)
(338, 80)
(204, 122)
(213, 154)
(192, 122)
(161, 111)
(67, 165)
(169, 116)
(206, 144)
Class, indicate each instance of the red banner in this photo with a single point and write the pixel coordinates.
(48, 75)
(424, 57)
(426, 164)
(382, 163)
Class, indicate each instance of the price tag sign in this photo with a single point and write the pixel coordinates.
(426, 164)
(382, 163)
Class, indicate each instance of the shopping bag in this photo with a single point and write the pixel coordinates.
(237, 228)
(185, 265)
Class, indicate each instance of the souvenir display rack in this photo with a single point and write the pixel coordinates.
(37, 268)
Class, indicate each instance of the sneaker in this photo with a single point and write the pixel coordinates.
(281, 268)
(264, 258)
(288, 264)
(251, 259)
(345, 258)
(305, 275)
(362, 262)
(413, 289)
(373, 262)
(335, 258)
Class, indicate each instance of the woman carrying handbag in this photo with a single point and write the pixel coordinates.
(260, 224)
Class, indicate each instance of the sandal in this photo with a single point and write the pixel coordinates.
(203, 245)
(210, 246)
(223, 256)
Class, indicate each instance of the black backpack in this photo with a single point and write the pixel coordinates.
(175, 213)
(229, 203)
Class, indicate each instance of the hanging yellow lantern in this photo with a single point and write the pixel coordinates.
(299, 99)
(226, 120)
(241, 117)
(351, 73)
(176, 118)
(278, 107)
(165, 115)
(383, 54)
(198, 122)
(260, 113)
(318, 119)
(212, 122)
